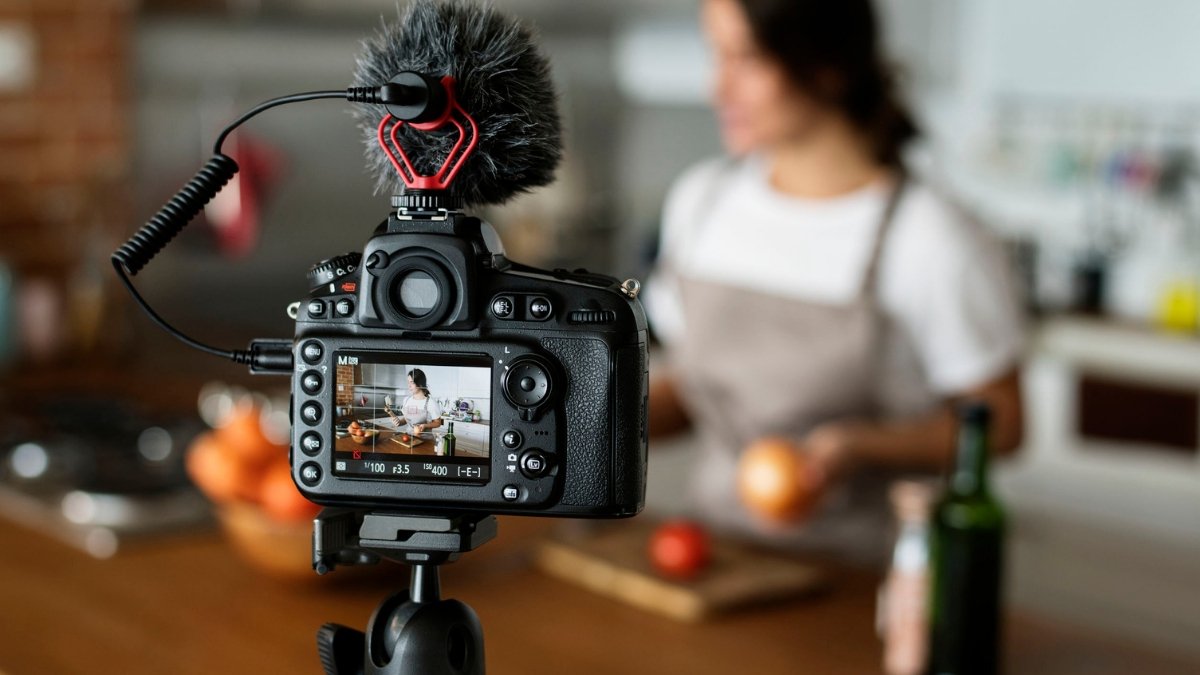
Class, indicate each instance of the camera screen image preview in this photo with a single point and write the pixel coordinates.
(376, 414)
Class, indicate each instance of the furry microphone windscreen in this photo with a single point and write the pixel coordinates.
(501, 80)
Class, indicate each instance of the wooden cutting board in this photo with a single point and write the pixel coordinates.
(612, 561)
(410, 443)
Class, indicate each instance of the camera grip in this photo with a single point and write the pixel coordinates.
(629, 426)
(588, 419)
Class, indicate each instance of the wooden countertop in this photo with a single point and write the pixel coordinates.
(463, 446)
(186, 605)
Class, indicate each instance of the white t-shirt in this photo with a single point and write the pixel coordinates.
(943, 283)
(420, 410)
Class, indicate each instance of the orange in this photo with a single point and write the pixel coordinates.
(281, 499)
(242, 433)
(220, 471)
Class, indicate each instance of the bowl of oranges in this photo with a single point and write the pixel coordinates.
(362, 432)
(242, 466)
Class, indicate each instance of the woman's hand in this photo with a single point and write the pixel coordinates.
(418, 428)
(829, 448)
(666, 415)
(783, 480)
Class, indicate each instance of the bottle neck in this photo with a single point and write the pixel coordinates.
(970, 467)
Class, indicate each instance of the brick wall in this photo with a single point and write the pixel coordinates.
(65, 136)
(65, 139)
(344, 391)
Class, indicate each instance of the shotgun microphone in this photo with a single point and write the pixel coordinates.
(496, 86)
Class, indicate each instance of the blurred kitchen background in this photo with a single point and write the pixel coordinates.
(1071, 128)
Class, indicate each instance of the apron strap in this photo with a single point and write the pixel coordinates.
(885, 222)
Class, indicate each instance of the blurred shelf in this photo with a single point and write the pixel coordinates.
(1121, 349)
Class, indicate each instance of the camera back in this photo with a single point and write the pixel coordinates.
(434, 375)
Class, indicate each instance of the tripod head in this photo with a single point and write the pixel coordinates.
(411, 632)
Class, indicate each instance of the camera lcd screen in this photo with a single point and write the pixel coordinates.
(412, 417)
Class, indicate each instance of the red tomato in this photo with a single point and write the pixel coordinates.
(680, 549)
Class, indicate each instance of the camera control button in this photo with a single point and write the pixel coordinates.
(540, 308)
(311, 413)
(527, 384)
(503, 307)
(316, 308)
(310, 443)
(511, 439)
(592, 316)
(534, 464)
(310, 474)
(312, 351)
(311, 382)
(344, 307)
(377, 260)
(511, 493)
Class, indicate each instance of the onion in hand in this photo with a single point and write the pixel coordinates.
(776, 482)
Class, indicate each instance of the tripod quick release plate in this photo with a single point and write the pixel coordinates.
(355, 537)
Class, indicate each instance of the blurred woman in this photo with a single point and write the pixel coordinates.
(811, 289)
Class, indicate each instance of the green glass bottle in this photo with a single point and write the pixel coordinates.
(448, 441)
(968, 559)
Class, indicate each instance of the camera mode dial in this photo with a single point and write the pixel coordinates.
(331, 269)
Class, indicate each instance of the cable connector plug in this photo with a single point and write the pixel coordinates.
(267, 357)
(413, 97)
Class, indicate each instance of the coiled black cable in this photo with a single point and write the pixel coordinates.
(170, 220)
(175, 215)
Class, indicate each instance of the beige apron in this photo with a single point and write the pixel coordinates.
(753, 365)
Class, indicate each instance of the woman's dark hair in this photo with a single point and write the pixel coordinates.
(418, 378)
(831, 50)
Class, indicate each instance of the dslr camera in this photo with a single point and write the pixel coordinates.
(434, 381)
(432, 374)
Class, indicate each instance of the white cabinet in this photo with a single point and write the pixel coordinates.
(471, 431)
